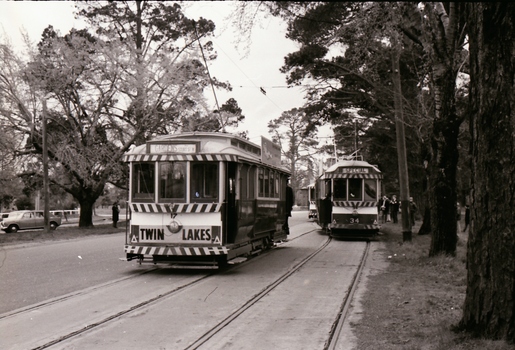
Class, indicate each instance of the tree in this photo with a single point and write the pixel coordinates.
(138, 75)
(10, 184)
(432, 54)
(229, 115)
(489, 308)
(441, 27)
(293, 133)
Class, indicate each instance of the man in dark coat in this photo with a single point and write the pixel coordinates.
(288, 207)
(116, 213)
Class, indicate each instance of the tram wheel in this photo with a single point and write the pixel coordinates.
(222, 262)
(267, 243)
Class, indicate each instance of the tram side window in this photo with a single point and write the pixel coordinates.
(268, 183)
(143, 181)
(355, 189)
(370, 190)
(204, 182)
(252, 182)
(340, 189)
(261, 185)
(274, 185)
(172, 181)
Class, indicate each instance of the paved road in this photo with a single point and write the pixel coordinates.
(31, 274)
(154, 311)
(34, 273)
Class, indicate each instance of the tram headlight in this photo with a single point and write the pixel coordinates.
(355, 213)
(174, 226)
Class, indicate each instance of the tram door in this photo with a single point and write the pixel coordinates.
(324, 200)
(232, 210)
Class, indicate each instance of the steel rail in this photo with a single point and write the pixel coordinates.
(336, 329)
(234, 315)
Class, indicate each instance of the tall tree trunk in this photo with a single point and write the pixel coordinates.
(86, 213)
(444, 163)
(401, 141)
(489, 309)
(87, 198)
(425, 228)
(443, 48)
(442, 40)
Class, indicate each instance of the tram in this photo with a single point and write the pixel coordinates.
(312, 206)
(346, 198)
(204, 198)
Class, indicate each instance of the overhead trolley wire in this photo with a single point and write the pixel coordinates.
(262, 89)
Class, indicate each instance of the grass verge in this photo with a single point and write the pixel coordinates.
(417, 300)
(62, 232)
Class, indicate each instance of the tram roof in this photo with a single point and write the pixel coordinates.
(201, 146)
(352, 168)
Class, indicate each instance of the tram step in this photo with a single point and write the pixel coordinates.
(237, 260)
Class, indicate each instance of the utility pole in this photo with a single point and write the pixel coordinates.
(401, 142)
(45, 168)
(355, 135)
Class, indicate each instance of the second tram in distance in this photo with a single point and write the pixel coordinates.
(204, 198)
(312, 205)
(346, 198)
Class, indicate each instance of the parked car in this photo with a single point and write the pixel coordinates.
(28, 219)
(3, 216)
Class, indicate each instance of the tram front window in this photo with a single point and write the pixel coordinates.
(204, 182)
(355, 189)
(143, 181)
(370, 190)
(340, 189)
(172, 183)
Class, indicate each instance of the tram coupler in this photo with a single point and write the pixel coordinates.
(131, 256)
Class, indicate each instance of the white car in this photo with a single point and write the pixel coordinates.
(28, 219)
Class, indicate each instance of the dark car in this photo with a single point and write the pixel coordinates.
(28, 219)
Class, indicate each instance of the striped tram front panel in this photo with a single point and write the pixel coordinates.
(176, 208)
(352, 204)
(180, 157)
(180, 251)
(353, 176)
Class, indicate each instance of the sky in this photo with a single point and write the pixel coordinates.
(247, 73)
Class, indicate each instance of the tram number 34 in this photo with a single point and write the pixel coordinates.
(354, 220)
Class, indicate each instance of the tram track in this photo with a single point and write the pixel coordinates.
(181, 287)
(104, 321)
(334, 334)
(119, 314)
(71, 295)
(193, 283)
(205, 337)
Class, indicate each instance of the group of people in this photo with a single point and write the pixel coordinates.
(389, 209)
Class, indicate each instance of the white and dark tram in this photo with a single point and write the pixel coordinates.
(204, 198)
(347, 194)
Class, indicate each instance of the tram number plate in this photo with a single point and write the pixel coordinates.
(354, 220)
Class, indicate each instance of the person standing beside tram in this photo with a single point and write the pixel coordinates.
(385, 208)
(288, 206)
(412, 211)
(394, 207)
(116, 213)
